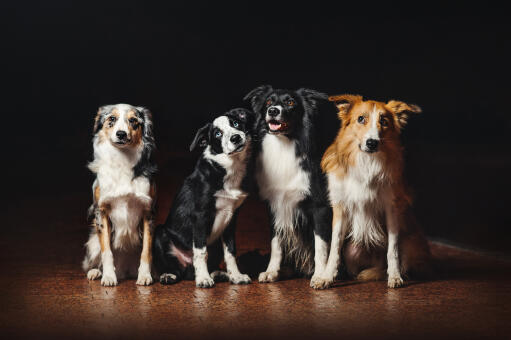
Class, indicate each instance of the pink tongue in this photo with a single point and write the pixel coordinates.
(275, 126)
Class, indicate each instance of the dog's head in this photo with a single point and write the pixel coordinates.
(229, 133)
(124, 125)
(284, 110)
(371, 123)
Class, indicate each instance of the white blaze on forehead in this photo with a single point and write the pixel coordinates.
(373, 133)
(223, 124)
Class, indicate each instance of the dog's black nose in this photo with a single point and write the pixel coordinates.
(235, 139)
(372, 144)
(273, 111)
(121, 134)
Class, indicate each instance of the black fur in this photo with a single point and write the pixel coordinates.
(300, 118)
(146, 166)
(193, 211)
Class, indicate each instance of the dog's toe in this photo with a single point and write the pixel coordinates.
(204, 282)
(321, 282)
(168, 279)
(144, 280)
(109, 280)
(240, 279)
(395, 282)
(265, 277)
(93, 274)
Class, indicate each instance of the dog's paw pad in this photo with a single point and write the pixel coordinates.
(167, 279)
(144, 280)
(321, 282)
(265, 277)
(204, 282)
(109, 280)
(395, 282)
(93, 274)
(240, 279)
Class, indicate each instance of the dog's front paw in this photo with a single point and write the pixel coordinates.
(109, 279)
(318, 282)
(168, 279)
(93, 274)
(395, 281)
(204, 282)
(239, 279)
(271, 276)
(144, 279)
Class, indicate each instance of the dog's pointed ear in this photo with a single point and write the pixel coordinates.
(344, 102)
(201, 137)
(311, 97)
(100, 117)
(257, 97)
(402, 111)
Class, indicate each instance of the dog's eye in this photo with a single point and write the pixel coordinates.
(235, 123)
(361, 119)
(383, 121)
(218, 134)
(133, 120)
(112, 118)
(268, 102)
(290, 102)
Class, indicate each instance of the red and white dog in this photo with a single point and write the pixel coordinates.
(371, 206)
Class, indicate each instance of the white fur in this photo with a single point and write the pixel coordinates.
(283, 183)
(128, 199)
(202, 277)
(231, 196)
(373, 132)
(272, 272)
(361, 192)
(228, 131)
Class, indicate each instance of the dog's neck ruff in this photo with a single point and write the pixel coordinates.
(114, 170)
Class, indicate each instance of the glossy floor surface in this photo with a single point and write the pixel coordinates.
(44, 293)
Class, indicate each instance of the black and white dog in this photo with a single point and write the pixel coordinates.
(289, 177)
(206, 207)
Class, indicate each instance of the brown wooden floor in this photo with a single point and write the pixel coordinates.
(44, 292)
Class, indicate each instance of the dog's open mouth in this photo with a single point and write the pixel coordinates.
(277, 126)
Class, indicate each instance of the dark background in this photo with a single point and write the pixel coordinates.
(189, 62)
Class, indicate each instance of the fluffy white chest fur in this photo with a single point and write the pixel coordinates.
(362, 192)
(230, 197)
(127, 197)
(281, 179)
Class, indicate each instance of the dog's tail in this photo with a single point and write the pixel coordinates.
(371, 274)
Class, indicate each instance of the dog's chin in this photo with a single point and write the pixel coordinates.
(276, 127)
(120, 144)
(237, 150)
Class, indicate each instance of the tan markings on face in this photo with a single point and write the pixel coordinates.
(134, 127)
(375, 115)
(109, 123)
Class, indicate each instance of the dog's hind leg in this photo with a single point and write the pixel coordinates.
(166, 264)
(415, 257)
(92, 260)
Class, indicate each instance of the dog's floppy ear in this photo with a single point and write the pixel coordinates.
(145, 165)
(201, 138)
(344, 102)
(257, 96)
(311, 97)
(100, 117)
(147, 116)
(401, 111)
